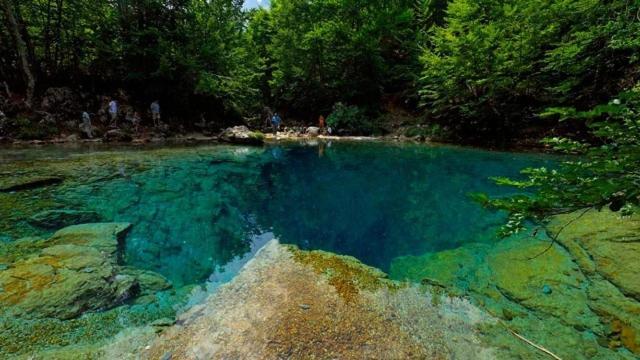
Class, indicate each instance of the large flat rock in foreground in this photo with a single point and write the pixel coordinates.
(293, 304)
(74, 271)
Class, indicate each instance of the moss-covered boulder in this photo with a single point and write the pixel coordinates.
(74, 271)
(605, 243)
(543, 278)
(27, 182)
(242, 135)
(59, 218)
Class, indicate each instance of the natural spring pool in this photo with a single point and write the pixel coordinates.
(199, 212)
(196, 209)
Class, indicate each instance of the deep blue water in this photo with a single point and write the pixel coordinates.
(196, 211)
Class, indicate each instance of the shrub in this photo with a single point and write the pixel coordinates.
(603, 172)
(26, 129)
(349, 119)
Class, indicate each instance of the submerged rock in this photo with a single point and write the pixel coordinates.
(150, 282)
(74, 271)
(242, 135)
(576, 298)
(607, 248)
(604, 243)
(56, 219)
(288, 303)
(18, 183)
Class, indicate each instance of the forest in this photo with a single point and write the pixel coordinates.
(320, 179)
(468, 71)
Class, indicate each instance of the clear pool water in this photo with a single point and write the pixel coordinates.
(196, 209)
(200, 212)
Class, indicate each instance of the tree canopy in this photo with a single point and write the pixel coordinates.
(483, 69)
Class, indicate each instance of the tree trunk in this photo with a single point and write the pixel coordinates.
(21, 47)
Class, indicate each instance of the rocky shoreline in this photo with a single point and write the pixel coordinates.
(578, 298)
(578, 295)
(63, 294)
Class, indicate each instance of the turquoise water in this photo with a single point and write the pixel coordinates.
(196, 210)
(200, 212)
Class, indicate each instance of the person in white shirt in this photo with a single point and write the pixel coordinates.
(113, 113)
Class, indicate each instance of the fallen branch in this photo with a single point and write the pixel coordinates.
(541, 348)
(554, 239)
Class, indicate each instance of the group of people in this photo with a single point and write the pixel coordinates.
(132, 117)
(276, 121)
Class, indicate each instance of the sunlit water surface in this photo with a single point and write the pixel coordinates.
(199, 213)
(197, 209)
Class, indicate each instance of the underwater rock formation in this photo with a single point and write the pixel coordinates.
(56, 219)
(296, 304)
(607, 249)
(576, 297)
(18, 183)
(74, 271)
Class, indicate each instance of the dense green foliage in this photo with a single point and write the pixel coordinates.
(480, 69)
(601, 171)
(327, 51)
(496, 63)
(349, 118)
(185, 52)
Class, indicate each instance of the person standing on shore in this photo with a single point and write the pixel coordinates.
(155, 113)
(275, 122)
(113, 113)
(85, 125)
(321, 123)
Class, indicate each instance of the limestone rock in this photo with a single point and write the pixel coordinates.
(75, 271)
(521, 269)
(619, 312)
(605, 243)
(313, 131)
(117, 135)
(18, 183)
(242, 135)
(56, 219)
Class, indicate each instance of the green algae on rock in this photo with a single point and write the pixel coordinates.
(74, 271)
(345, 273)
(611, 243)
(59, 218)
(18, 183)
(607, 248)
(590, 311)
(284, 304)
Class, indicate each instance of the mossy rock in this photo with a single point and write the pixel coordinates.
(242, 135)
(19, 183)
(541, 277)
(345, 273)
(75, 271)
(605, 243)
(56, 219)
(450, 269)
